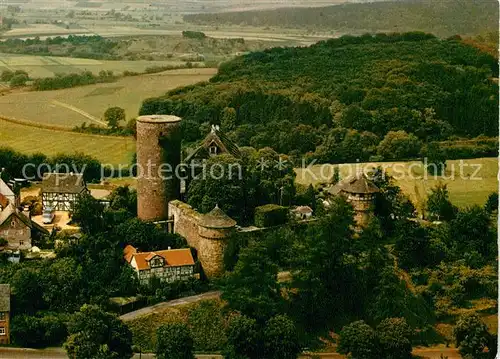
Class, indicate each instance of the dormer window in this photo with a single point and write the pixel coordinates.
(212, 150)
(156, 262)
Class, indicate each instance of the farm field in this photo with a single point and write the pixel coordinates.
(72, 107)
(28, 139)
(48, 66)
(464, 189)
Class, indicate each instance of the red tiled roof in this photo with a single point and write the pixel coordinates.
(172, 257)
(129, 252)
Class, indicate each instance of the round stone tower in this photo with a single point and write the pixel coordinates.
(214, 228)
(158, 155)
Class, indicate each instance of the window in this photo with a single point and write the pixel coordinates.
(212, 150)
(2, 315)
(2, 331)
(21, 242)
(156, 262)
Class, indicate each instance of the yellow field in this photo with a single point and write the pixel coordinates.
(465, 189)
(72, 107)
(48, 66)
(28, 139)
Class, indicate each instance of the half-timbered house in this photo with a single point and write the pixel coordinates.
(167, 265)
(61, 191)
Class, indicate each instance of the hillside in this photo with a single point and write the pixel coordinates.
(443, 17)
(298, 100)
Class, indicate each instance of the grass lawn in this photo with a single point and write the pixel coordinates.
(28, 139)
(67, 107)
(467, 189)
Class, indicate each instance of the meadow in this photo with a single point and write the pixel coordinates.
(71, 107)
(465, 185)
(29, 139)
(48, 66)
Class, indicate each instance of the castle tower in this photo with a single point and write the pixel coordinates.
(360, 193)
(158, 155)
(214, 229)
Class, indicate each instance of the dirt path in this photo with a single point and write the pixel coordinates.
(80, 111)
(161, 306)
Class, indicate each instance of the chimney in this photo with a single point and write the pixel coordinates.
(26, 211)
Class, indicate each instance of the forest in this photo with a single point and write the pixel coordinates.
(443, 18)
(371, 92)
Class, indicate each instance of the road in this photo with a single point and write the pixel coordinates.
(173, 303)
(59, 353)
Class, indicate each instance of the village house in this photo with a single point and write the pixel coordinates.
(61, 191)
(167, 265)
(303, 212)
(17, 228)
(4, 314)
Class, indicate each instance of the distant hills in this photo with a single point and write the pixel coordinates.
(441, 17)
(302, 99)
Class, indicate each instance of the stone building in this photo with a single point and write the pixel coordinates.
(207, 233)
(18, 229)
(360, 193)
(61, 191)
(167, 265)
(4, 314)
(158, 157)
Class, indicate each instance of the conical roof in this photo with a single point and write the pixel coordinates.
(216, 218)
(358, 184)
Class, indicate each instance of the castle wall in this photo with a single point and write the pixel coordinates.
(210, 243)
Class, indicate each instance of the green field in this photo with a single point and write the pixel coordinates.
(464, 189)
(48, 66)
(72, 107)
(28, 139)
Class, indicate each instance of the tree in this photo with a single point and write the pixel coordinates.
(472, 336)
(325, 272)
(399, 145)
(6, 75)
(253, 288)
(113, 116)
(281, 340)
(88, 213)
(228, 119)
(174, 341)
(243, 338)
(392, 206)
(95, 334)
(470, 230)
(359, 340)
(394, 336)
(19, 80)
(492, 203)
(435, 159)
(413, 246)
(438, 204)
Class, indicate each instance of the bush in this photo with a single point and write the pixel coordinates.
(206, 322)
(6, 75)
(38, 332)
(174, 341)
(18, 80)
(270, 215)
(194, 35)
